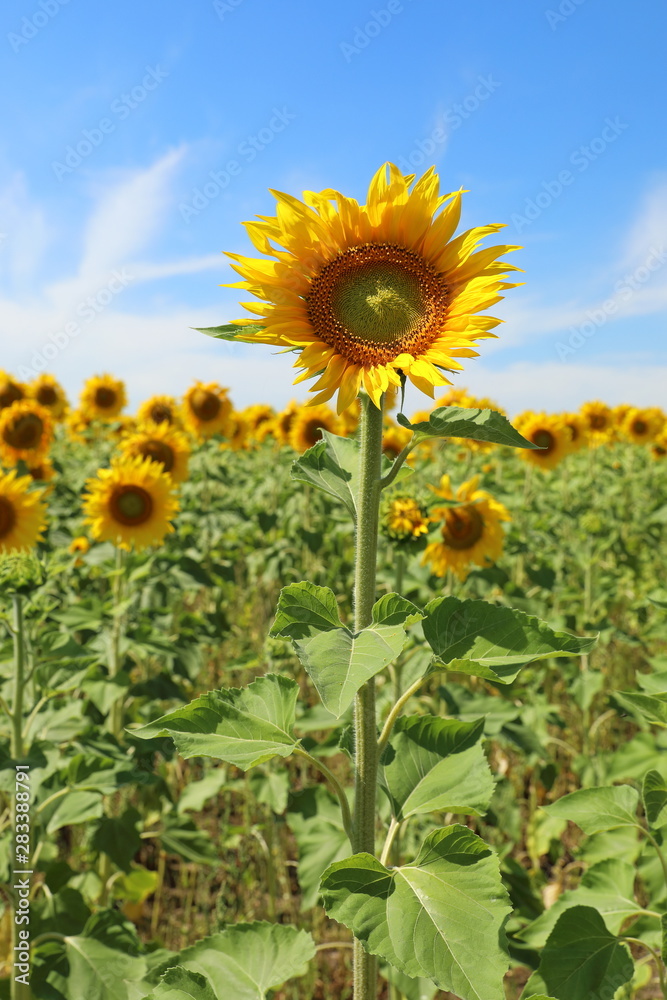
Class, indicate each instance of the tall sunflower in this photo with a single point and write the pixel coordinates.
(103, 397)
(160, 443)
(50, 394)
(158, 410)
(551, 435)
(22, 514)
(368, 293)
(469, 534)
(26, 432)
(131, 504)
(308, 425)
(11, 391)
(207, 409)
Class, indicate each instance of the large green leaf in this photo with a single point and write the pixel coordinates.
(243, 726)
(598, 809)
(439, 918)
(607, 886)
(229, 331)
(98, 972)
(73, 808)
(339, 661)
(491, 641)
(654, 797)
(245, 961)
(180, 984)
(652, 707)
(436, 764)
(460, 422)
(582, 959)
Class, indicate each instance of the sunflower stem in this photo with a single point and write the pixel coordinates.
(365, 724)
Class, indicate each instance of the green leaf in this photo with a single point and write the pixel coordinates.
(652, 707)
(392, 609)
(245, 961)
(243, 726)
(659, 598)
(136, 886)
(439, 918)
(476, 425)
(654, 797)
(98, 972)
(74, 808)
(663, 928)
(607, 886)
(409, 989)
(582, 959)
(179, 984)
(230, 331)
(305, 609)
(195, 795)
(598, 809)
(436, 764)
(491, 641)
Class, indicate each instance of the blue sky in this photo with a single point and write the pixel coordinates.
(138, 136)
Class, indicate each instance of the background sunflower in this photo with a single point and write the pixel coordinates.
(22, 514)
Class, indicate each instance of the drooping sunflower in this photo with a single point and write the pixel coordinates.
(549, 433)
(22, 514)
(403, 519)
(159, 410)
(50, 394)
(11, 391)
(309, 423)
(642, 425)
(599, 422)
(368, 293)
(160, 443)
(469, 534)
(131, 504)
(26, 432)
(207, 409)
(102, 397)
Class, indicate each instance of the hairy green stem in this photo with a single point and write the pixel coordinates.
(365, 723)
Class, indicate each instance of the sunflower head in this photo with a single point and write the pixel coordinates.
(551, 435)
(282, 423)
(369, 294)
(641, 426)
(308, 425)
(103, 397)
(26, 432)
(207, 409)
(131, 504)
(599, 422)
(46, 391)
(79, 546)
(159, 410)
(403, 519)
(22, 514)
(11, 391)
(163, 444)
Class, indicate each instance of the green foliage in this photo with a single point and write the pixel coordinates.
(461, 422)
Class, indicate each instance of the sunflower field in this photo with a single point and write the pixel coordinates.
(334, 702)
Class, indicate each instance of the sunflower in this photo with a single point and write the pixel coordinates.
(549, 433)
(26, 431)
(158, 410)
(578, 430)
(642, 425)
(282, 422)
(207, 409)
(161, 443)
(11, 391)
(470, 533)
(102, 397)
(350, 419)
(131, 504)
(259, 421)
(403, 519)
(21, 514)
(309, 423)
(78, 424)
(368, 293)
(43, 472)
(394, 440)
(79, 546)
(49, 394)
(599, 420)
(659, 445)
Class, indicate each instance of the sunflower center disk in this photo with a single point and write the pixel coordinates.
(544, 439)
(205, 405)
(47, 396)
(10, 394)
(7, 517)
(131, 505)
(463, 527)
(25, 432)
(376, 301)
(161, 414)
(105, 398)
(159, 451)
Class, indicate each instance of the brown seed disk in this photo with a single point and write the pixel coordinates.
(463, 527)
(131, 505)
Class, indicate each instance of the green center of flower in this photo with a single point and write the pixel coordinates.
(131, 505)
(25, 432)
(377, 300)
(463, 527)
(7, 517)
